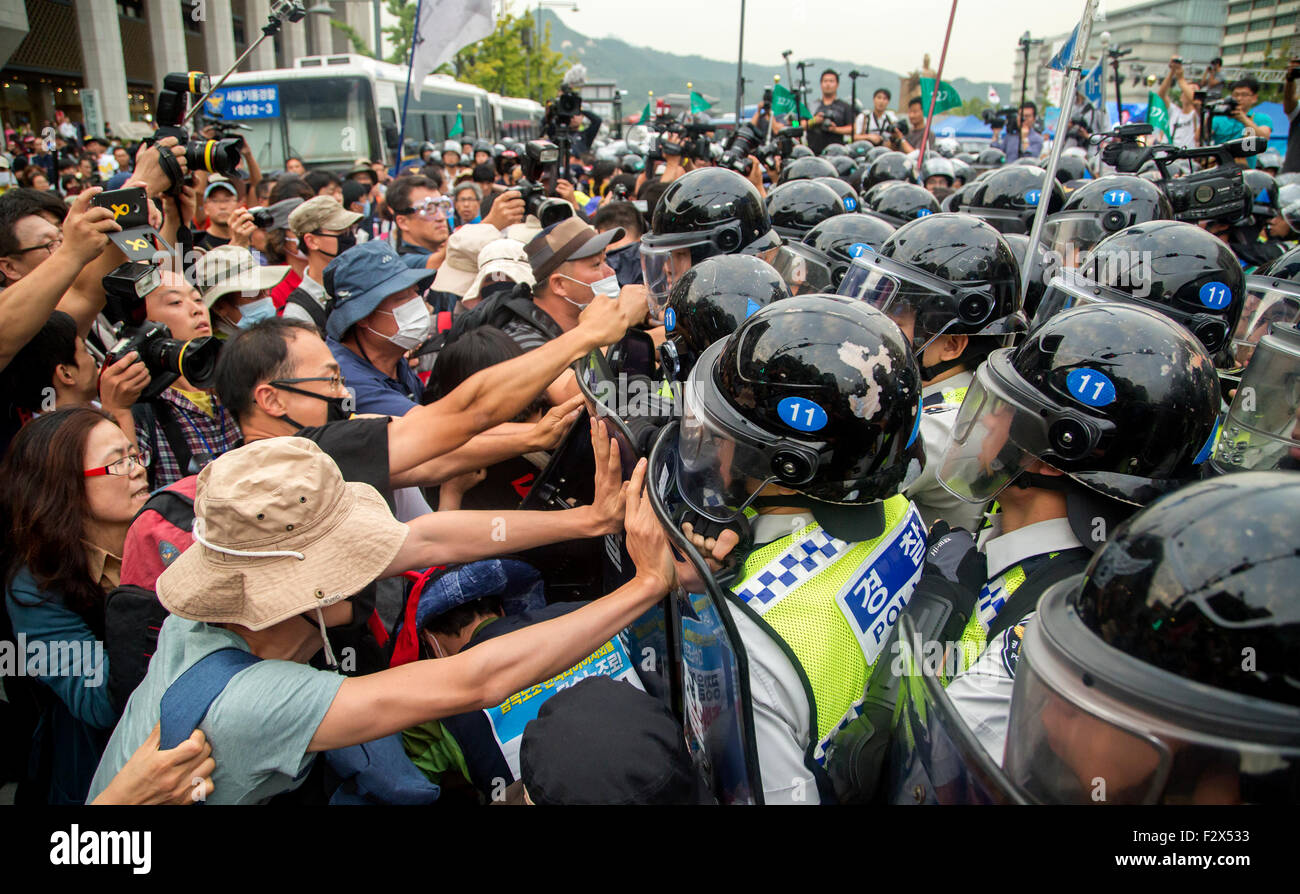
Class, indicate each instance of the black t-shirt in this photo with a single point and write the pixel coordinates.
(839, 114)
(206, 241)
(359, 447)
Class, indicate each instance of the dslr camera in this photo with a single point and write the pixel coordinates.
(166, 358)
(214, 156)
(539, 155)
(1217, 193)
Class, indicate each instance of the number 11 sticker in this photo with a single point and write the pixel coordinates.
(1090, 387)
(801, 414)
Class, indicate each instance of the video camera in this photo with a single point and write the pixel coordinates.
(747, 140)
(214, 156)
(539, 155)
(1213, 194)
(999, 118)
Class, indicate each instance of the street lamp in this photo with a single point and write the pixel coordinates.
(324, 9)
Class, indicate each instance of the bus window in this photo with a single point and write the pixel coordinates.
(326, 121)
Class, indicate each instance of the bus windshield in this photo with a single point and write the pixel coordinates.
(323, 121)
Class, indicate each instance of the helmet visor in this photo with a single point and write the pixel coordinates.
(1001, 220)
(1072, 234)
(1001, 429)
(806, 270)
(1262, 431)
(1268, 301)
(1069, 290)
(663, 265)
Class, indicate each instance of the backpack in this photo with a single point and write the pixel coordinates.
(500, 308)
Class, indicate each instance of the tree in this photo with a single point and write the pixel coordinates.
(359, 45)
(510, 61)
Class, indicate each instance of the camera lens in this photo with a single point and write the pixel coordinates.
(552, 211)
(213, 156)
(195, 360)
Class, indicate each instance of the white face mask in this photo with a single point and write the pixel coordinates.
(608, 287)
(413, 324)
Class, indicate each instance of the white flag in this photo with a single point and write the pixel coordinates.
(442, 28)
(993, 95)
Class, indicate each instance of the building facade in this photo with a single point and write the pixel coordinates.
(124, 48)
(1257, 29)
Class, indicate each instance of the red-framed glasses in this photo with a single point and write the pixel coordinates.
(121, 466)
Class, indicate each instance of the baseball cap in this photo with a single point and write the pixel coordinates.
(500, 258)
(321, 213)
(362, 277)
(218, 181)
(602, 741)
(568, 240)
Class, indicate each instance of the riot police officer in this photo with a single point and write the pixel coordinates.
(704, 213)
(1102, 409)
(952, 285)
(805, 444)
(806, 169)
(1008, 197)
(1272, 298)
(902, 203)
(839, 239)
(1099, 208)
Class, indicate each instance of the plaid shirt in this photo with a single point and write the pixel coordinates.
(207, 437)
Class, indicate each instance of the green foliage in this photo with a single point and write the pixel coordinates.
(359, 45)
(501, 62)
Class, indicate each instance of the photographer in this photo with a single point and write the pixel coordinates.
(1232, 122)
(1027, 143)
(185, 427)
(1184, 123)
(1292, 110)
(833, 119)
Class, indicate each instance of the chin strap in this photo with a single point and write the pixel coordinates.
(930, 373)
(324, 638)
(1027, 480)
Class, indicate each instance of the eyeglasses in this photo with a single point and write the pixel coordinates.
(121, 466)
(47, 247)
(435, 207)
(336, 382)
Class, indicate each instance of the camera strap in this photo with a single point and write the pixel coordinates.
(151, 415)
(172, 168)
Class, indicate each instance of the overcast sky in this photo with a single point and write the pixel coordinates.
(893, 34)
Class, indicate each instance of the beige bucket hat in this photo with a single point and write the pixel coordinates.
(278, 533)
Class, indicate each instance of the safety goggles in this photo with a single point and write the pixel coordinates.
(932, 305)
(431, 208)
(1004, 425)
(806, 270)
(1268, 301)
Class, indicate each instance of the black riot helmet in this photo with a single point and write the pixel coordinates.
(1178, 269)
(1263, 192)
(944, 274)
(1043, 267)
(990, 158)
(937, 166)
(1119, 398)
(889, 166)
(818, 394)
(801, 151)
(848, 195)
(1009, 197)
(797, 206)
(845, 166)
(710, 301)
(845, 236)
(834, 149)
(1072, 168)
(870, 195)
(806, 169)
(706, 212)
(1167, 670)
(953, 200)
(902, 203)
(1101, 207)
(860, 149)
(875, 152)
(962, 171)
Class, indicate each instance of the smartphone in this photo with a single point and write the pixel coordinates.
(128, 206)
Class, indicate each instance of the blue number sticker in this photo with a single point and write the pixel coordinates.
(670, 319)
(923, 212)
(1116, 197)
(751, 307)
(858, 249)
(1215, 295)
(1090, 387)
(850, 203)
(1032, 197)
(801, 414)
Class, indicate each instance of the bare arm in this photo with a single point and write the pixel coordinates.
(497, 394)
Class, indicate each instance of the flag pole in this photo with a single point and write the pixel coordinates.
(1058, 140)
(740, 68)
(934, 91)
(410, 64)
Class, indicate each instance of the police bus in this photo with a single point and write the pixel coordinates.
(331, 110)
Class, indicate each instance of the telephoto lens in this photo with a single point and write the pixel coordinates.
(213, 156)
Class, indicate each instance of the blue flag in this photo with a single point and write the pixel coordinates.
(1061, 61)
(1092, 83)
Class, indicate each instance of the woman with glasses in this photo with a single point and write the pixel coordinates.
(69, 487)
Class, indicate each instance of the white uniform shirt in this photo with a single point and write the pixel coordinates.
(930, 497)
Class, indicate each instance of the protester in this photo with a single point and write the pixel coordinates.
(324, 230)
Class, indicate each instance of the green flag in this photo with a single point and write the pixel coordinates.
(946, 99)
(698, 103)
(458, 128)
(645, 115)
(784, 102)
(1158, 114)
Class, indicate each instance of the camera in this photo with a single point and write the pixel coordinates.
(1212, 194)
(262, 217)
(1223, 107)
(998, 119)
(568, 103)
(214, 156)
(538, 156)
(166, 358)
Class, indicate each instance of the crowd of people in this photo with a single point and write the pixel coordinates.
(339, 501)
